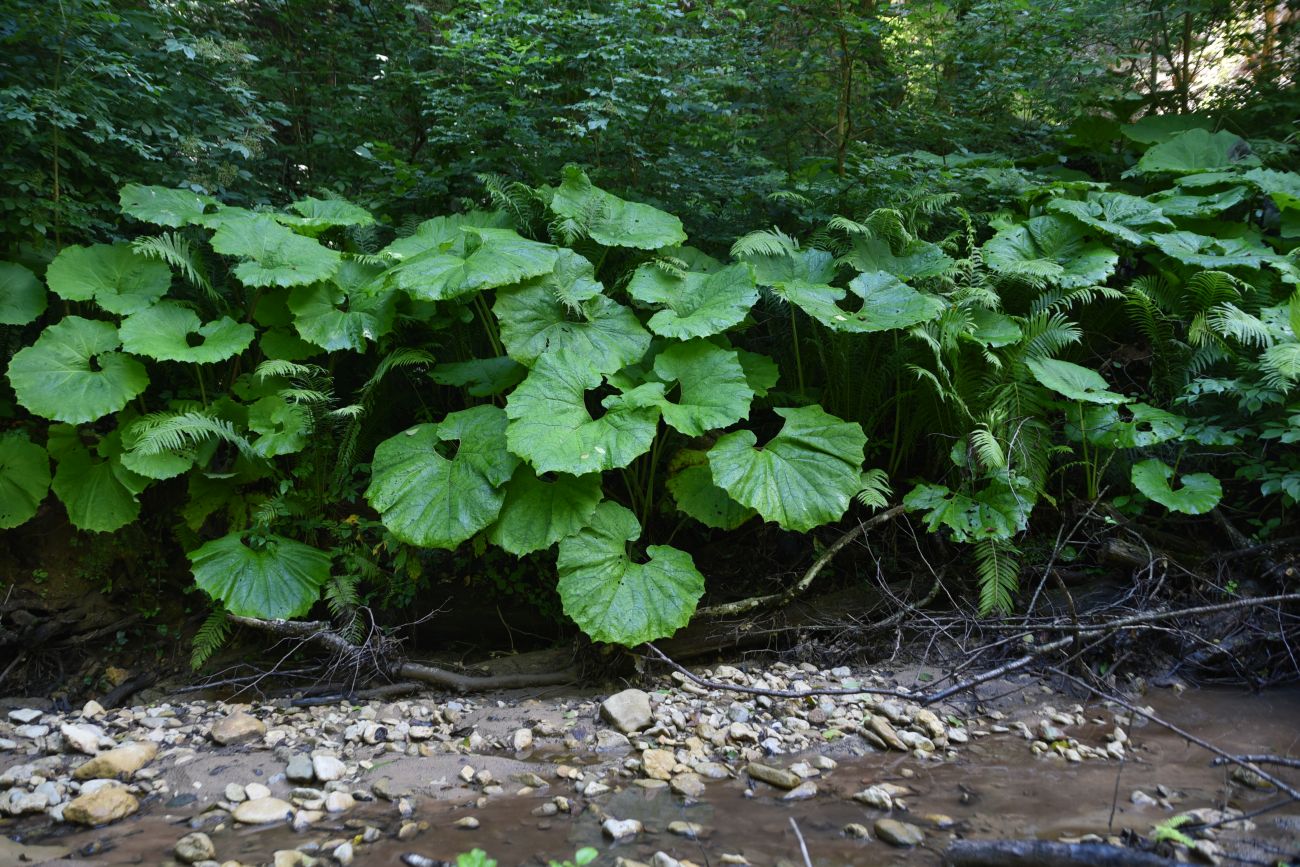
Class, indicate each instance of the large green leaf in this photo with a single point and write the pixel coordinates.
(694, 304)
(1202, 251)
(1072, 381)
(616, 600)
(761, 372)
(1117, 215)
(1156, 128)
(801, 270)
(481, 377)
(443, 235)
(346, 311)
(803, 478)
(914, 259)
(1178, 203)
(24, 479)
(885, 303)
(536, 320)
(99, 492)
(22, 297)
(281, 425)
(486, 258)
(316, 215)
(611, 221)
(996, 510)
(274, 579)
(537, 513)
(169, 331)
(163, 206)
(1050, 248)
(1134, 426)
(73, 372)
(119, 279)
(434, 501)
(1199, 492)
(552, 429)
(273, 254)
(690, 481)
(1197, 150)
(713, 391)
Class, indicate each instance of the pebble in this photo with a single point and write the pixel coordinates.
(658, 764)
(522, 740)
(237, 728)
(121, 762)
(898, 833)
(262, 811)
(101, 806)
(801, 792)
(25, 715)
(621, 829)
(857, 831)
(469, 823)
(689, 830)
(688, 785)
(254, 791)
(328, 768)
(195, 847)
(779, 777)
(339, 802)
(300, 769)
(628, 711)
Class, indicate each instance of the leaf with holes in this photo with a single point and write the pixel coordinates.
(803, 478)
(1196, 495)
(313, 216)
(282, 427)
(434, 501)
(690, 481)
(169, 331)
(1135, 426)
(537, 513)
(995, 510)
(480, 377)
(74, 373)
(552, 428)
(274, 578)
(1052, 249)
(616, 600)
(694, 304)
(24, 479)
(1072, 381)
(22, 297)
(164, 206)
(273, 255)
(611, 221)
(713, 391)
(535, 321)
(116, 277)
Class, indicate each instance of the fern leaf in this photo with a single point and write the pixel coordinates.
(875, 490)
(998, 570)
(177, 432)
(211, 635)
(176, 250)
(765, 242)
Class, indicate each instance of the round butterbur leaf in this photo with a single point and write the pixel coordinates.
(163, 206)
(22, 297)
(100, 494)
(24, 479)
(537, 513)
(282, 426)
(116, 277)
(1072, 381)
(169, 331)
(612, 221)
(426, 498)
(552, 428)
(694, 304)
(803, 478)
(1051, 249)
(73, 373)
(616, 600)
(272, 254)
(270, 577)
(713, 390)
(347, 311)
(690, 481)
(485, 258)
(1197, 492)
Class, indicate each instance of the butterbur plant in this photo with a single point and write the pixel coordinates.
(588, 371)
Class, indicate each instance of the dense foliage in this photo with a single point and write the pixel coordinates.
(456, 333)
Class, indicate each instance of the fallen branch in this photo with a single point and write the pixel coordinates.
(127, 688)
(1041, 853)
(1280, 761)
(776, 600)
(323, 634)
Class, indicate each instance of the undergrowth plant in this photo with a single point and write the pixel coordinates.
(326, 395)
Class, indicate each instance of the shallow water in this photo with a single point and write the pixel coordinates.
(996, 789)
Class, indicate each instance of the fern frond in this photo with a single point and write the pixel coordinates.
(765, 242)
(1230, 321)
(277, 367)
(1208, 288)
(1281, 366)
(1046, 334)
(211, 635)
(848, 227)
(178, 432)
(790, 197)
(406, 357)
(875, 491)
(176, 250)
(987, 448)
(997, 567)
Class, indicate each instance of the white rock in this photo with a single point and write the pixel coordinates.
(621, 829)
(328, 768)
(522, 740)
(25, 715)
(253, 791)
(628, 711)
(83, 738)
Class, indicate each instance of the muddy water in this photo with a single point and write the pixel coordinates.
(996, 789)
